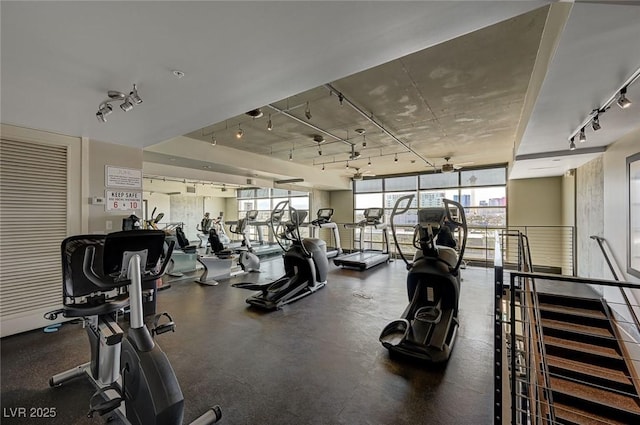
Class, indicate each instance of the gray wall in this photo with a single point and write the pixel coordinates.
(590, 219)
(189, 210)
(342, 203)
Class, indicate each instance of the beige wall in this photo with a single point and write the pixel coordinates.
(569, 199)
(342, 203)
(535, 202)
(101, 154)
(590, 219)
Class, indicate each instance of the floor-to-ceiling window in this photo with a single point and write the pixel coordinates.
(264, 201)
(482, 193)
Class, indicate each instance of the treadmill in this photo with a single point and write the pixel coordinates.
(262, 247)
(323, 221)
(365, 259)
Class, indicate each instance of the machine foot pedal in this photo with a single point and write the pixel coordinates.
(159, 329)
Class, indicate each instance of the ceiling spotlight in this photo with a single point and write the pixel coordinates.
(269, 124)
(322, 167)
(240, 133)
(369, 163)
(320, 152)
(572, 145)
(582, 137)
(134, 97)
(340, 98)
(128, 102)
(290, 155)
(127, 105)
(622, 101)
(347, 166)
(213, 140)
(307, 112)
(364, 141)
(104, 110)
(595, 123)
(396, 159)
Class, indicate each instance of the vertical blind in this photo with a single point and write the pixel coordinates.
(33, 223)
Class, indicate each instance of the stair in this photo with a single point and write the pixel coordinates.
(589, 378)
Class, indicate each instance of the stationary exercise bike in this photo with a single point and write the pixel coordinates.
(305, 264)
(428, 326)
(101, 276)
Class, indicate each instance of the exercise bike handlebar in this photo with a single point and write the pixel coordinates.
(107, 283)
(394, 213)
(462, 223)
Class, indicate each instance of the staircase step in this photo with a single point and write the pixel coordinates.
(580, 328)
(591, 349)
(570, 301)
(572, 311)
(597, 375)
(573, 415)
(597, 400)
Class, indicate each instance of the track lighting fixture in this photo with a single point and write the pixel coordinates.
(290, 155)
(364, 140)
(396, 158)
(595, 122)
(320, 151)
(307, 112)
(572, 145)
(213, 140)
(240, 133)
(583, 136)
(369, 163)
(347, 166)
(623, 101)
(128, 102)
(322, 167)
(269, 124)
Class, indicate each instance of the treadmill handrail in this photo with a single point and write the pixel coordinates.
(394, 213)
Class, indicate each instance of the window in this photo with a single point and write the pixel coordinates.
(482, 192)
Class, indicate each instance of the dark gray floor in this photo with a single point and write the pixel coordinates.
(317, 361)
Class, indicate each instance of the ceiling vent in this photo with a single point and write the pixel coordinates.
(255, 113)
(191, 189)
(318, 139)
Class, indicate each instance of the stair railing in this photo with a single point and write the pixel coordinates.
(601, 243)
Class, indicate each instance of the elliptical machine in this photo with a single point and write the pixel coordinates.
(101, 276)
(428, 326)
(305, 264)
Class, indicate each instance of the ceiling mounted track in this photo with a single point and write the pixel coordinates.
(316, 128)
(370, 118)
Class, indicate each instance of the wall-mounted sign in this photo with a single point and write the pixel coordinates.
(123, 177)
(122, 200)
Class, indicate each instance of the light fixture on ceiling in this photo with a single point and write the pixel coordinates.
(290, 155)
(396, 158)
(583, 136)
(213, 140)
(307, 112)
(623, 101)
(572, 145)
(595, 122)
(322, 167)
(240, 132)
(369, 163)
(255, 113)
(128, 102)
(364, 140)
(347, 166)
(269, 124)
(319, 151)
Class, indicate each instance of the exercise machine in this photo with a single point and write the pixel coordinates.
(102, 274)
(305, 264)
(262, 247)
(323, 221)
(364, 259)
(222, 263)
(183, 260)
(428, 326)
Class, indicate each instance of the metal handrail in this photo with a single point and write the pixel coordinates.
(601, 241)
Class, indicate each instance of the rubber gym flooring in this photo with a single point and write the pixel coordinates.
(316, 361)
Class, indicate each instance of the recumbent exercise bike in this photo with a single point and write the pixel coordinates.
(103, 274)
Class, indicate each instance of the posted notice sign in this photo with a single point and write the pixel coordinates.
(122, 200)
(123, 177)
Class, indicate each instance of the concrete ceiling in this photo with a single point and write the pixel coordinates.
(481, 82)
